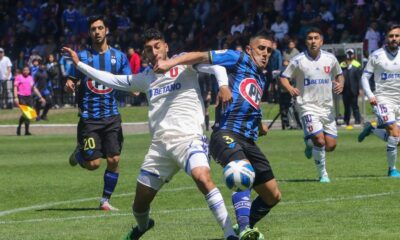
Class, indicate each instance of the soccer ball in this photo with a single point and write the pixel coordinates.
(239, 175)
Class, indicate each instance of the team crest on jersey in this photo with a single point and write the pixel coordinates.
(251, 91)
(97, 88)
(113, 60)
(327, 69)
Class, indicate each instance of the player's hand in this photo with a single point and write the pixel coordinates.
(262, 129)
(72, 53)
(294, 92)
(373, 101)
(162, 66)
(224, 96)
(208, 98)
(338, 87)
(69, 86)
(42, 101)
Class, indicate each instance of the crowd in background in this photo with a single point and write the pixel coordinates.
(33, 31)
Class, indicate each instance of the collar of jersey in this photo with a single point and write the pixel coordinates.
(309, 56)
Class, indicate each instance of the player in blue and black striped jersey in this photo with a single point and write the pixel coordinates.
(239, 123)
(99, 129)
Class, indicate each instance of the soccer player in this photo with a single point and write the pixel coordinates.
(176, 122)
(238, 126)
(99, 132)
(384, 64)
(313, 71)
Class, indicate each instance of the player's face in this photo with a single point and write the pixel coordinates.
(259, 51)
(393, 38)
(314, 41)
(98, 32)
(156, 50)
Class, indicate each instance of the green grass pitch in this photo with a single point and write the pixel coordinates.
(42, 197)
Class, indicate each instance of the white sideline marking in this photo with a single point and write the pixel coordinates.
(356, 197)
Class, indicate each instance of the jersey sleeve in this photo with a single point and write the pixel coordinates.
(290, 70)
(369, 68)
(133, 82)
(226, 58)
(126, 69)
(336, 69)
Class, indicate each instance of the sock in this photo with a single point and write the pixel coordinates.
(142, 219)
(391, 153)
(110, 181)
(309, 142)
(207, 121)
(217, 206)
(259, 209)
(319, 158)
(79, 158)
(380, 133)
(241, 203)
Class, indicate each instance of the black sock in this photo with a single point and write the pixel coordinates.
(207, 120)
(258, 210)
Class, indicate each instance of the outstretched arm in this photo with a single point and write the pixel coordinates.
(190, 58)
(367, 89)
(134, 82)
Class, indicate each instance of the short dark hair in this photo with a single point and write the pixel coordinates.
(392, 26)
(314, 30)
(153, 34)
(262, 36)
(95, 18)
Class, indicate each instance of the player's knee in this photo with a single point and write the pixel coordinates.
(330, 148)
(319, 142)
(202, 178)
(113, 161)
(276, 197)
(93, 165)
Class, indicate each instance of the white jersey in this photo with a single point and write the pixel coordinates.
(386, 69)
(313, 78)
(175, 105)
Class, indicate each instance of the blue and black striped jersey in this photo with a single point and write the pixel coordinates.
(246, 82)
(95, 100)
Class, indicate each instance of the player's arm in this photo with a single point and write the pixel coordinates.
(190, 58)
(133, 82)
(16, 100)
(285, 82)
(262, 129)
(224, 94)
(367, 74)
(37, 93)
(338, 83)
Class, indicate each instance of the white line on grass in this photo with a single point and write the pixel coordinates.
(356, 197)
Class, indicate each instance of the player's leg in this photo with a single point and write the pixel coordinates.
(112, 140)
(264, 184)
(225, 148)
(196, 164)
(391, 149)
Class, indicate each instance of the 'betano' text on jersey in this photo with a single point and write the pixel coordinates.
(246, 82)
(386, 69)
(313, 79)
(95, 100)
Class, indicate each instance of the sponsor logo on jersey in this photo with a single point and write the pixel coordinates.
(308, 82)
(251, 91)
(327, 69)
(169, 88)
(97, 88)
(389, 76)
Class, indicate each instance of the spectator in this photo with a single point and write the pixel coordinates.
(5, 81)
(280, 28)
(372, 38)
(237, 25)
(291, 50)
(54, 74)
(43, 84)
(201, 11)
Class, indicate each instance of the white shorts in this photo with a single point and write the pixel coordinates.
(387, 113)
(165, 159)
(316, 122)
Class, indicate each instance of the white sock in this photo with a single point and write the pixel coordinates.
(391, 153)
(142, 220)
(309, 142)
(380, 133)
(217, 206)
(319, 159)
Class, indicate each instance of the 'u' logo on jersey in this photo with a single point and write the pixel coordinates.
(173, 72)
(251, 91)
(97, 87)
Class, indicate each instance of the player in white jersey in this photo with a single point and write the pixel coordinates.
(176, 122)
(384, 64)
(313, 71)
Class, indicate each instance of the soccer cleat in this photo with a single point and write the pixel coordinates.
(394, 173)
(251, 234)
(324, 179)
(135, 233)
(308, 152)
(365, 132)
(106, 206)
(72, 160)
